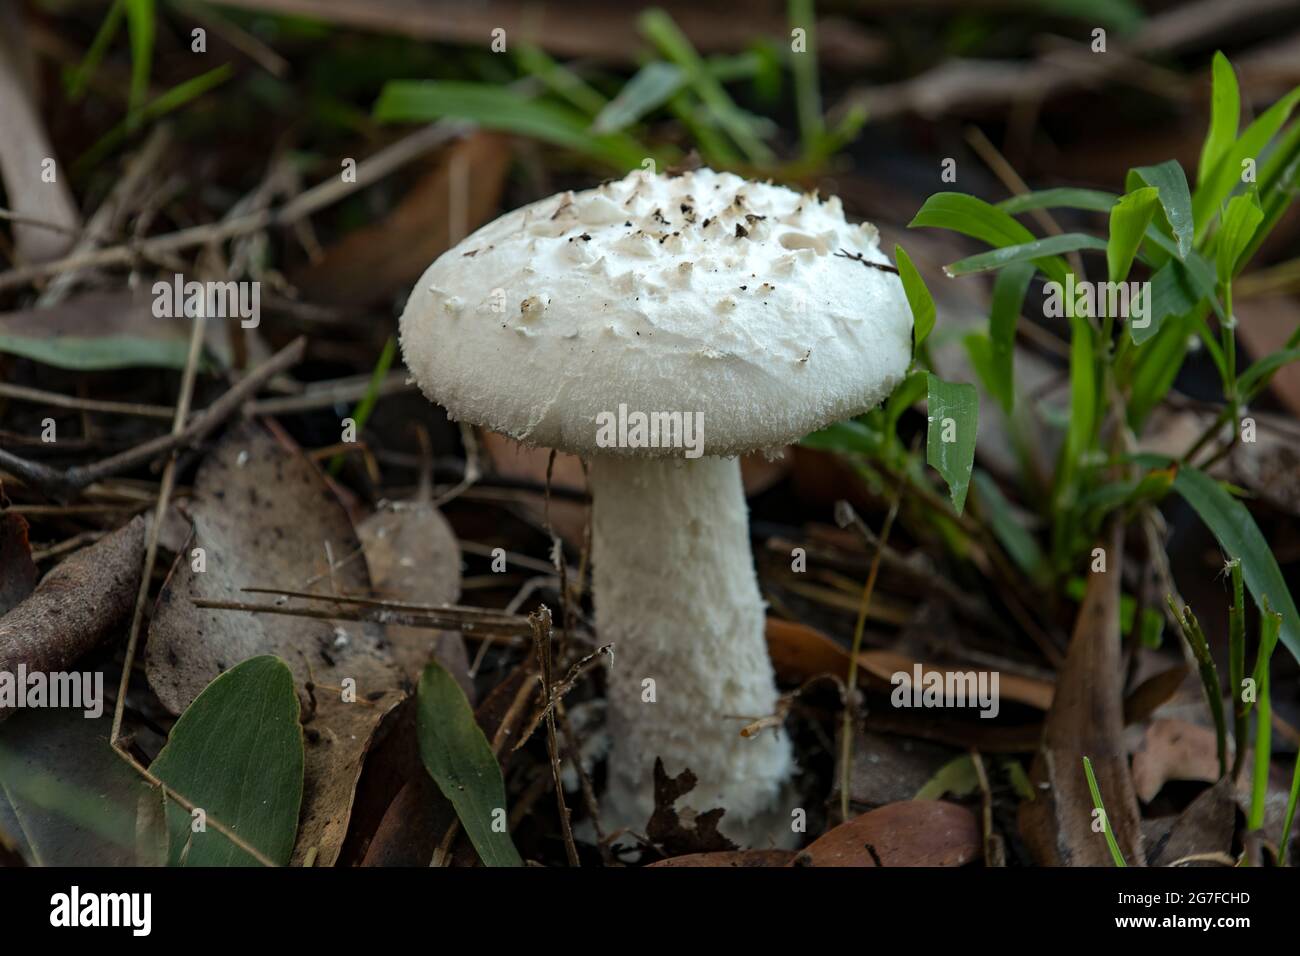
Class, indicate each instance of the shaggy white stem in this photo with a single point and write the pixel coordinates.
(675, 590)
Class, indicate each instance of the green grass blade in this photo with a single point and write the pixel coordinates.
(78, 77)
(1128, 225)
(1092, 200)
(505, 110)
(1225, 116)
(1290, 813)
(1100, 808)
(807, 91)
(361, 414)
(1269, 627)
(1171, 182)
(141, 25)
(1009, 290)
(918, 298)
(1226, 174)
(1195, 637)
(1039, 250)
(560, 80)
(652, 86)
(659, 27)
(1240, 220)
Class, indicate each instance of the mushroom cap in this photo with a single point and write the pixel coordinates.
(755, 305)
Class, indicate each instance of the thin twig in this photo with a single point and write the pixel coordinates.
(541, 625)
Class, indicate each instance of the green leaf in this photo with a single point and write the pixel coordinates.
(851, 436)
(652, 86)
(808, 97)
(953, 411)
(1018, 543)
(1100, 809)
(1171, 182)
(506, 110)
(1009, 291)
(957, 777)
(908, 393)
(1093, 200)
(140, 26)
(1225, 114)
(237, 753)
(1128, 224)
(659, 27)
(918, 297)
(1234, 528)
(1226, 174)
(560, 80)
(76, 78)
(462, 764)
(1265, 367)
(971, 217)
(1036, 251)
(1238, 225)
(1083, 394)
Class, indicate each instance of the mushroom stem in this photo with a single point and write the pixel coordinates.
(675, 590)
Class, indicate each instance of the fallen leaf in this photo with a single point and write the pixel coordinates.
(1025, 690)
(378, 260)
(104, 330)
(66, 799)
(76, 607)
(263, 516)
(414, 556)
(458, 757)
(731, 858)
(910, 833)
(237, 754)
(888, 768)
(666, 828)
(1174, 750)
(1086, 720)
(1205, 826)
(17, 571)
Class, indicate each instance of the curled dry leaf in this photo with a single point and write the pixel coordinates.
(909, 833)
(264, 516)
(76, 607)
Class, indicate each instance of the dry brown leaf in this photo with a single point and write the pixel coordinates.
(79, 605)
(907, 833)
(264, 516)
(414, 556)
(1205, 826)
(378, 260)
(1086, 720)
(666, 828)
(1174, 750)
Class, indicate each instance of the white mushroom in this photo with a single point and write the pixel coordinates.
(745, 310)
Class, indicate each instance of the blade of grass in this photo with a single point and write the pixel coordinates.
(1195, 637)
(807, 92)
(659, 27)
(177, 97)
(78, 77)
(141, 26)
(1099, 807)
(1237, 664)
(361, 414)
(560, 80)
(653, 86)
(1270, 626)
(1225, 116)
